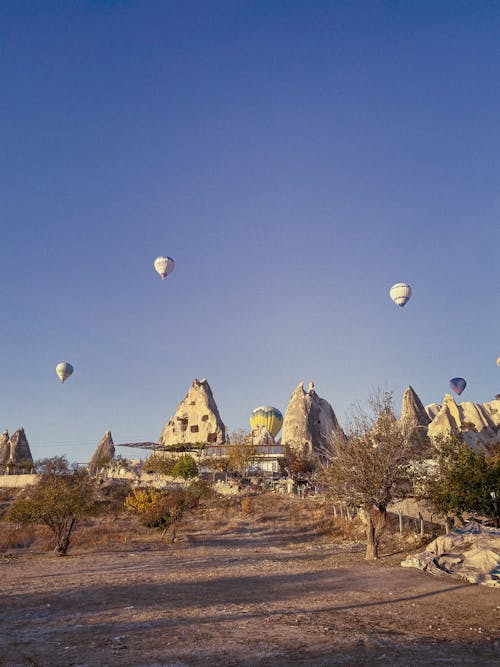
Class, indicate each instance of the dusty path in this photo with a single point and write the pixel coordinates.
(252, 596)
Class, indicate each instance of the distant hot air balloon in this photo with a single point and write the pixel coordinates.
(458, 385)
(164, 266)
(64, 370)
(267, 416)
(498, 361)
(400, 293)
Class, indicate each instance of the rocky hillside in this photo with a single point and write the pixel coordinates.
(479, 422)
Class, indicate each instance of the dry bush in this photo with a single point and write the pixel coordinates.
(16, 537)
(247, 507)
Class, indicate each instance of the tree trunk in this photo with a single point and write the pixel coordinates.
(375, 522)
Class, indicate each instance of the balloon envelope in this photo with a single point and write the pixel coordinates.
(400, 293)
(164, 266)
(64, 370)
(267, 416)
(498, 361)
(458, 385)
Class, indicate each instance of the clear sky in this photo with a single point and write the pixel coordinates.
(295, 158)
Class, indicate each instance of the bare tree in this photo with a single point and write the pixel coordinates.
(241, 452)
(368, 468)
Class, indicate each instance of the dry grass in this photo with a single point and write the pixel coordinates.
(17, 538)
(308, 520)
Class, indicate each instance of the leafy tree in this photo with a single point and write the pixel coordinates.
(369, 467)
(60, 499)
(460, 480)
(185, 467)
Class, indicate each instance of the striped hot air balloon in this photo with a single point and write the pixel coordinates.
(267, 416)
(64, 370)
(164, 266)
(458, 385)
(400, 293)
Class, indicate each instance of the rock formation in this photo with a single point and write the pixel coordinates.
(103, 454)
(20, 453)
(309, 422)
(196, 420)
(413, 412)
(261, 436)
(478, 422)
(432, 410)
(4, 448)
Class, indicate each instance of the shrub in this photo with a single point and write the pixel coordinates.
(185, 467)
(164, 509)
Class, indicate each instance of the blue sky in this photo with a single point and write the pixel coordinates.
(295, 158)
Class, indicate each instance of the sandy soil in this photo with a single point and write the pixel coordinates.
(256, 590)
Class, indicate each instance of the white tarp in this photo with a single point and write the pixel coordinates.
(471, 552)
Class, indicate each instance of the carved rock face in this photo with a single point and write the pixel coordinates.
(309, 423)
(196, 420)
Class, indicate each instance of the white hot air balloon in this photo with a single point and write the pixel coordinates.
(164, 266)
(64, 370)
(400, 293)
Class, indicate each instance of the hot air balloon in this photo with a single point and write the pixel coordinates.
(458, 385)
(400, 293)
(164, 266)
(498, 361)
(267, 416)
(64, 370)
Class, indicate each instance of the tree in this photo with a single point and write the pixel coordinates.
(369, 467)
(460, 480)
(60, 499)
(162, 465)
(185, 467)
(241, 452)
(299, 467)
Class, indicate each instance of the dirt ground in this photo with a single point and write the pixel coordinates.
(262, 586)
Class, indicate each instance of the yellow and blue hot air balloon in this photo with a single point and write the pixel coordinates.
(267, 416)
(64, 370)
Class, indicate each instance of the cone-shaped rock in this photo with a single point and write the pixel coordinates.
(413, 409)
(261, 436)
(413, 412)
(4, 448)
(103, 454)
(197, 419)
(479, 423)
(309, 423)
(20, 453)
